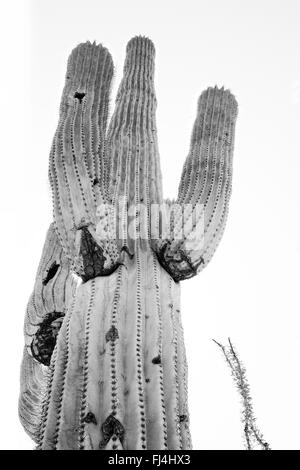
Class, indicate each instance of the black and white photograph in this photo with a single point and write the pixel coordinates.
(150, 193)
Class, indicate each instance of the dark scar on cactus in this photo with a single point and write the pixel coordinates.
(178, 264)
(90, 418)
(126, 249)
(183, 418)
(44, 340)
(112, 334)
(93, 258)
(79, 96)
(111, 428)
(156, 360)
(50, 273)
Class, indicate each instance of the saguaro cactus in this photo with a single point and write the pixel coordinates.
(104, 365)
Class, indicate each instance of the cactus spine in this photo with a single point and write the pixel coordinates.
(115, 375)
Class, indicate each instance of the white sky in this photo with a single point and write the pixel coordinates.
(250, 291)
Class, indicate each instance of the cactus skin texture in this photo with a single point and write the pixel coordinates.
(104, 363)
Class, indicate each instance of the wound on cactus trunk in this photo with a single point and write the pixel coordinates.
(44, 340)
(114, 375)
(51, 273)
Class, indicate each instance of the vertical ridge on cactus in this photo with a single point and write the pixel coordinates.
(106, 368)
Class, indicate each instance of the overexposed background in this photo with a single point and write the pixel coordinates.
(250, 291)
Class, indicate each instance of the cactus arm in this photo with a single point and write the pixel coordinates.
(77, 163)
(53, 290)
(54, 287)
(33, 383)
(132, 130)
(200, 211)
(134, 171)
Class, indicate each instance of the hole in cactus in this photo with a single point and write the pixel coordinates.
(183, 418)
(51, 273)
(177, 262)
(156, 360)
(112, 334)
(96, 181)
(44, 340)
(90, 418)
(79, 96)
(147, 381)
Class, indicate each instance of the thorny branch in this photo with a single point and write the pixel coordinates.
(253, 436)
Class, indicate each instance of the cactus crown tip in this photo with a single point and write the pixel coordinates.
(139, 39)
(219, 91)
(84, 46)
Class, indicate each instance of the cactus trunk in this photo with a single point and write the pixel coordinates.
(118, 374)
